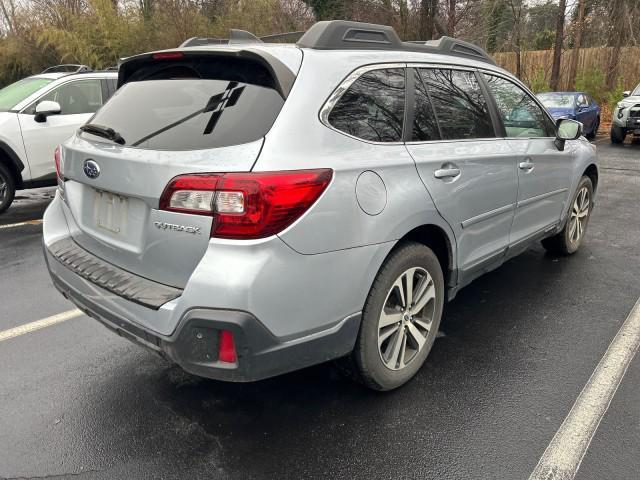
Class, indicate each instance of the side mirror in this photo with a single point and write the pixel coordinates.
(626, 94)
(46, 108)
(567, 130)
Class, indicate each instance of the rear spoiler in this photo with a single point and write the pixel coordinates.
(283, 77)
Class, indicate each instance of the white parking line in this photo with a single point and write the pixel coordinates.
(38, 324)
(28, 222)
(561, 460)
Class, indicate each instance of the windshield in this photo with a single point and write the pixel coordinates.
(557, 101)
(636, 92)
(13, 94)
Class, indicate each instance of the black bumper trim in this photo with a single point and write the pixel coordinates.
(114, 279)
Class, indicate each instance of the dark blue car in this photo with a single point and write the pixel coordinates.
(576, 106)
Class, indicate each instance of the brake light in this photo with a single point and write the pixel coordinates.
(167, 55)
(246, 205)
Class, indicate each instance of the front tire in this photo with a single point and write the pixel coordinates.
(400, 318)
(7, 188)
(617, 134)
(568, 241)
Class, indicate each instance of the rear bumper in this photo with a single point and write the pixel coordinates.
(194, 343)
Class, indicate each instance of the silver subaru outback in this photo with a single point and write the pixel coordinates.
(247, 209)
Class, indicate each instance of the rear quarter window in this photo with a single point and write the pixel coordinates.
(372, 108)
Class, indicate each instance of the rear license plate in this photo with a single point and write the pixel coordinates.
(110, 211)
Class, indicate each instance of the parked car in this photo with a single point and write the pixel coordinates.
(39, 112)
(252, 209)
(626, 116)
(576, 106)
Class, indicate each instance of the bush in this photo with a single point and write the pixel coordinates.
(539, 82)
(595, 84)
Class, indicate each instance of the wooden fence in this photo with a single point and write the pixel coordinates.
(589, 60)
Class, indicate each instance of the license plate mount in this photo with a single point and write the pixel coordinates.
(110, 212)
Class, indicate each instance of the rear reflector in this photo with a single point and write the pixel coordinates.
(227, 347)
(246, 205)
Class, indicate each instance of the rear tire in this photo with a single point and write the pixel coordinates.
(568, 241)
(7, 188)
(397, 333)
(617, 134)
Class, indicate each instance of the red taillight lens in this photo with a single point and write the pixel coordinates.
(247, 205)
(226, 347)
(168, 55)
(56, 156)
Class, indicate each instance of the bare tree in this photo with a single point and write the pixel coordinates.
(557, 48)
(578, 28)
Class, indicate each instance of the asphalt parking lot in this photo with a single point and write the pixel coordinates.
(515, 350)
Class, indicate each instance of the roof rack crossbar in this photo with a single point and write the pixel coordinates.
(345, 35)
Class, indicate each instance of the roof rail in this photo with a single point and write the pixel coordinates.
(67, 68)
(345, 35)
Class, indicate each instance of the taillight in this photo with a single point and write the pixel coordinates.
(56, 156)
(246, 205)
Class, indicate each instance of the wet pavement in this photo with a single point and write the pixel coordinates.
(517, 347)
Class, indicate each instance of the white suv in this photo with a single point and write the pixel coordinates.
(36, 114)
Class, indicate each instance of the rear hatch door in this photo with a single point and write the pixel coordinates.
(174, 116)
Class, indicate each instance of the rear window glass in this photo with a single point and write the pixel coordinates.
(180, 108)
(373, 107)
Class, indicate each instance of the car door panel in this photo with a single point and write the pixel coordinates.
(472, 181)
(41, 139)
(479, 203)
(544, 172)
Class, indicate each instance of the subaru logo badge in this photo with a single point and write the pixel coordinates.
(91, 169)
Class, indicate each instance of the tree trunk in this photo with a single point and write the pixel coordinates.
(427, 18)
(617, 38)
(577, 44)
(557, 48)
(451, 18)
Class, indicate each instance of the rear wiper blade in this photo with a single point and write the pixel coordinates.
(104, 132)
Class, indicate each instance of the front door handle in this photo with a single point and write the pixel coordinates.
(526, 165)
(446, 172)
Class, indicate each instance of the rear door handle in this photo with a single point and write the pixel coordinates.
(446, 172)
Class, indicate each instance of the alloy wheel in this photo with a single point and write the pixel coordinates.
(406, 318)
(579, 215)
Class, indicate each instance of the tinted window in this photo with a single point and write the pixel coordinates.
(460, 107)
(425, 126)
(373, 107)
(521, 115)
(83, 96)
(190, 113)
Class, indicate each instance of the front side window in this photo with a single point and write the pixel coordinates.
(82, 96)
(459, 104)
(521, 115)
(582, 101)
(373, 107)
(15, 93)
